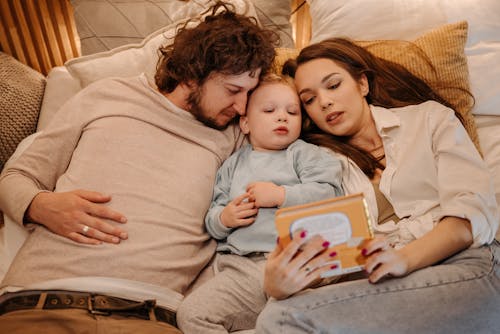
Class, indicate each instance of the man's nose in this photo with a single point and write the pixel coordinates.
(240, 104)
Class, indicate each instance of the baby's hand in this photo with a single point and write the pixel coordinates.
(239, 212)
(266, 194)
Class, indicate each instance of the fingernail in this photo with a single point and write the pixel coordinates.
(364, 251)
(115, 240)
(123, 219)
(123, 235)
(326, 244)
(303, 234)
(334, 266)
(278, 240)
(332, 254)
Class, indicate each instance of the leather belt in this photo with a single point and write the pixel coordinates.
(94, 303)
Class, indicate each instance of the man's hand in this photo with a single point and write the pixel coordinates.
(77, 215)
(266, 194)
(239, 212)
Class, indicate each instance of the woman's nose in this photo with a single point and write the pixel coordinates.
(326, 105)
(325, 101)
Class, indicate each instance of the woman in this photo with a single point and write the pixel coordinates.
(431, 266)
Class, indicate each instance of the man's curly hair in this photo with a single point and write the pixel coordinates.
(223, 42)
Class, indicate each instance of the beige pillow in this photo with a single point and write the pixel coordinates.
(438, 57)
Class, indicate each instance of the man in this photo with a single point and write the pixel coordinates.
(156, 150)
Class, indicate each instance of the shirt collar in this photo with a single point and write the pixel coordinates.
(384, 118)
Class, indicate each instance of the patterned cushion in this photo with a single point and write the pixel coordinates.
(21, 92)
(105, 24)
(282, 55)
(275, 15)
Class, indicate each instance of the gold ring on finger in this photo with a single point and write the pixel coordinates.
(85, 229)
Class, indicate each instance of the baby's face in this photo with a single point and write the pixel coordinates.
(273, 118)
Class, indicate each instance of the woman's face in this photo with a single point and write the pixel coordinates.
(332, 98)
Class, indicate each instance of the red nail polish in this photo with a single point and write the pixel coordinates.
(364, 251)
(332, 254)
(303, 234)
(325, 244)
(334, 266)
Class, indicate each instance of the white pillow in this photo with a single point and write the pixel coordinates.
(133, 59)
(406, 19)
(488, 128)
(59, 88)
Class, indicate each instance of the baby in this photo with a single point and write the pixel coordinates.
(275, 170)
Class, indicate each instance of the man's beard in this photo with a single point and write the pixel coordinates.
(197, 110)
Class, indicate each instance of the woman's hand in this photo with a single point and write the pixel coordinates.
(383, 260)
(77, 215)
(297, 266)
(450, 236)
(239, 212)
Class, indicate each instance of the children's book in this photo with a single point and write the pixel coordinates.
(343, 221)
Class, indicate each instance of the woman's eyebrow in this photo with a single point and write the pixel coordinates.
(305, 90)
(325, 79)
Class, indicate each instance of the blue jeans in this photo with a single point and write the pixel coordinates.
(459, 295)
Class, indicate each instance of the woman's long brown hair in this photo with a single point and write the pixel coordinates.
(391, 86)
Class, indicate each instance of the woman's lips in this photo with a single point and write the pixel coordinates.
(333, 117)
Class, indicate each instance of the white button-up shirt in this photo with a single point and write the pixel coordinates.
(432, 170)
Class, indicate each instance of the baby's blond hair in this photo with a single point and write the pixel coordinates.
(273, 78)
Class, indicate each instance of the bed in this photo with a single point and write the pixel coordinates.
(97, 39)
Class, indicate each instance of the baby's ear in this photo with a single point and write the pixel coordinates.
(244, 125)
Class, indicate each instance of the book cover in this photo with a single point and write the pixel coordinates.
(343, 221)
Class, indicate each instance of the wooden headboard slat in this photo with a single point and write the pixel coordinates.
(62, 37)
(50, 33)
(41, 34)
(301, 23)
(11, 33)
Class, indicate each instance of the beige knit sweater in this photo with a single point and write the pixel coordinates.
(121, 137)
